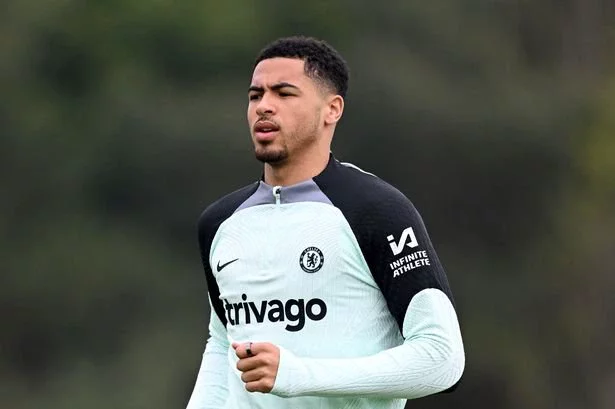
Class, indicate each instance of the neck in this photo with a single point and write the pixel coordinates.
(298, 169)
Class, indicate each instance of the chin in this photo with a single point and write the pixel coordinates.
(270, 156)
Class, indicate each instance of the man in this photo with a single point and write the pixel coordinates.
(325, 289)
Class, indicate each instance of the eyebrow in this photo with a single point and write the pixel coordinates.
(274, 87)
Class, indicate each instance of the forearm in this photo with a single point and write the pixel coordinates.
(429, 361)
(211, 390)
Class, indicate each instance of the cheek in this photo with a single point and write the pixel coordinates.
(306, 115)
(313, 117)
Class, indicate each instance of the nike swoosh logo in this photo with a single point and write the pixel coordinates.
(220, 267)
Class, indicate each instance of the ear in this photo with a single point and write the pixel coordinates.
(335, 108)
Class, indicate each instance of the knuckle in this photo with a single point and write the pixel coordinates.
(258, 373)
(257, 387)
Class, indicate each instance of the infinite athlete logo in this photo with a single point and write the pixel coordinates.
(311, 260)
(408, 262)
(407, 239)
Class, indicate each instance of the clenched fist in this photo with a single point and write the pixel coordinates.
(258, 363)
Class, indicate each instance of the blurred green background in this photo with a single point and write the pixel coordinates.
(120, 121)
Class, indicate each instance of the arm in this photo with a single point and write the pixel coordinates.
(430, 360)
(210, 390)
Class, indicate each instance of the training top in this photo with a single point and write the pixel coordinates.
(337, 271)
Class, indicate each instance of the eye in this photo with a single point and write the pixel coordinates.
(285, 94)
(253, 97)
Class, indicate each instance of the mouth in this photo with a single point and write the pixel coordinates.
(265, 130)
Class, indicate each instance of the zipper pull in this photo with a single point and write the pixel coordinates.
(276, 194)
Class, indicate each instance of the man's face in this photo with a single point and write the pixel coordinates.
(285, 109)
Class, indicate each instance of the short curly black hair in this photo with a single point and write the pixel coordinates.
(322, 61)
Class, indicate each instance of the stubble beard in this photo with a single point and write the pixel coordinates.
(278, 155)
(271, 155)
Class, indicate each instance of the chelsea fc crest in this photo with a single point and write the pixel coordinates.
(311, 260)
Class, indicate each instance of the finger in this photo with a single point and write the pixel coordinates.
(247, 364)
(252, 375)
(246, 350)
(239, 350)
(264, 385)
(249, 349)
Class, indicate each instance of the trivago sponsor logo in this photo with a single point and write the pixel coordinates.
(293, 311)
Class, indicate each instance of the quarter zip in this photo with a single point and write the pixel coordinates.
(276, 193)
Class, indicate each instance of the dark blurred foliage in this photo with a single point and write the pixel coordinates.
(121, 120)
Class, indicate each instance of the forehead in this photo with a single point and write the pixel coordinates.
(275, 70)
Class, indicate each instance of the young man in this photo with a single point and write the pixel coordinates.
(325, 289)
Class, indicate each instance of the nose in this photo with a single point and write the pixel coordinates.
(265, 106)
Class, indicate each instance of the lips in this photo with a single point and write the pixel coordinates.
(265, 130)
(265, 126)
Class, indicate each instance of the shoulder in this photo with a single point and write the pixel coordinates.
(224, 207)
(358, 192)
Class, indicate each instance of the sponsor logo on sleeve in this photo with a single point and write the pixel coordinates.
(410, 261)
(407, 239)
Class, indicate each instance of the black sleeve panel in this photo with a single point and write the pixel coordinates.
(208, 225)
(390, 233)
